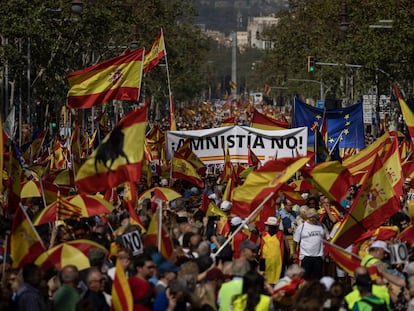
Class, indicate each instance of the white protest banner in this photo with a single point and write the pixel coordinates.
(132, 241)
(209, 144)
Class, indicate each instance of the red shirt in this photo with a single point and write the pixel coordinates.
(142, 293)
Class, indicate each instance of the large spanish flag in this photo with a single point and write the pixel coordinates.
(332, 178)
(374, 204)
(261, 121)
(406, 111)
(117, 78)
(262, 182)
(118, 158)
(155, 53)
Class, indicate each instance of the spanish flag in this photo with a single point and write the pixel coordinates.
(182, 169)
(117, 78)
(25, 243)
(122, 299)
(406, 111)
(260, 183)
(118, 158)
(155, 53)
(263, 122)
(373, 205)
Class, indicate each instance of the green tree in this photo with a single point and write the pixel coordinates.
(46, 40)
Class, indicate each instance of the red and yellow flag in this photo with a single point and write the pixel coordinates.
(260, 183)
(117, 78)
(228, 122)
(373, 205)
(122, 299)
(151, 238)
(228, 169)
(118, 158)
(25, 243)
(406, 112)
(155, 53)
(252, 159)
(263, 122)
(182, 169)
(187, 153)
(344, 259)
(331, 177)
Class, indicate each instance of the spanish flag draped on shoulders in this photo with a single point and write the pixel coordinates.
(272, 250)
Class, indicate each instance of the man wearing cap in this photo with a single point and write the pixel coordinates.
(368, 300)
(376, 253)
(272, 250)
(309, 238)
(167, 272)
(378, 290)
(239, 237)
(248, 251)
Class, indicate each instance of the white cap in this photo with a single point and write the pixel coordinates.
(271, 221)
(226, 206)
(164, 182)
(380, 244)
(236, 221)
(327, 281)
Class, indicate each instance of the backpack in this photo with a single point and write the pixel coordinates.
(375, 306)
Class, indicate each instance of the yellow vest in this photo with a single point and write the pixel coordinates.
(239, 304)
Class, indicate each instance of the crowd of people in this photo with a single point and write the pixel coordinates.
(283, 267)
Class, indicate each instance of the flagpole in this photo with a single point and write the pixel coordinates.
(159, 229)
(173, 126)
(336, 143)
(5, 246)
(240, 227)
(31, 225)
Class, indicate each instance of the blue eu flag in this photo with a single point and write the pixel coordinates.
(344, 124)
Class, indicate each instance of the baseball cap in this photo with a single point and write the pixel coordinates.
(167, 266)
(380, 244)
(225, 206)
(271, 221)
(236, 221)
(248, 244)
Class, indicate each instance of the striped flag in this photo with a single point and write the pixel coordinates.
(344, 259)
(406, 111)
(261, 121)
(25, 243)
(263, 181)
(332, 178)
(373, 205)
(228, 122)
(182, 169)
(122, 299)
(117, 78)
(155, 53)
(118, 158)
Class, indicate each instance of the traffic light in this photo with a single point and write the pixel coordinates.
(54, 123)
(311, 63)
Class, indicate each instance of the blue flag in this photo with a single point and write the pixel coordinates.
(345, 124)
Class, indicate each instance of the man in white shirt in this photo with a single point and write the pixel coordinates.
(309, 237)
